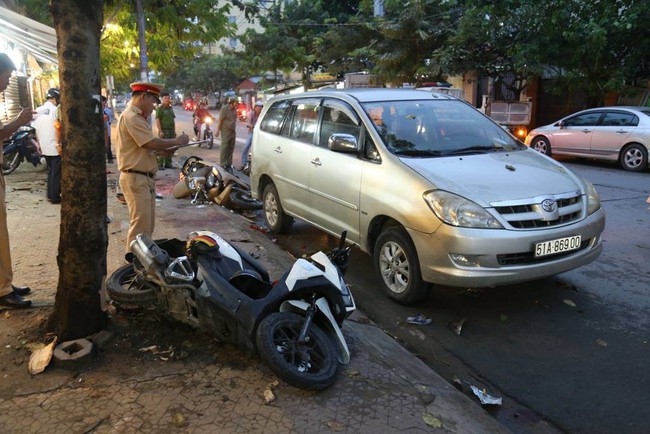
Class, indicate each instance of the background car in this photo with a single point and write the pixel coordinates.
(606, 133)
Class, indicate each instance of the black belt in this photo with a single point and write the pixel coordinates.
(140, 172)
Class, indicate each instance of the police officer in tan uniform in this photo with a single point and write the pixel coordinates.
(10, 295)
(136, 148)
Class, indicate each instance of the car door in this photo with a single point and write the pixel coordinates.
(335, 177)
(574, 136)
(298, 136)
(612, 133)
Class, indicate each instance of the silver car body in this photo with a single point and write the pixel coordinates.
(605, 133)
(361, 191)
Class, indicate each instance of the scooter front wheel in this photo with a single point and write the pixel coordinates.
(127, 286)
(11, 162)
(312, 364)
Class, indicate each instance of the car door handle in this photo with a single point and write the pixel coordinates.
(316, 162)
(586, 131)
(278, 150)
(621, 132)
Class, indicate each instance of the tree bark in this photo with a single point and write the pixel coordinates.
(84, 237)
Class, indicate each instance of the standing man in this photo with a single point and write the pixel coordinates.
(10, 295)
(227, 124)
(48, 136)
(108, 121)
(136, 148)
(166, 128)
(252, 120)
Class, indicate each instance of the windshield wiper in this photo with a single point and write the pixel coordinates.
(475, 150)
(418, 153)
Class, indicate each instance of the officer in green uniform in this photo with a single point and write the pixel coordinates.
(227, 124)
(166, 128)
(136, 148)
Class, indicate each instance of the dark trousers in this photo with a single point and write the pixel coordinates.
(109, 152)
(53, 178)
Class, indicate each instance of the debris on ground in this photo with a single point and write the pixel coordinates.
(457, 326)
(418, 319)
(485, 398)
(431, 420)
(269, 396)
(569, 302)
(41, 357)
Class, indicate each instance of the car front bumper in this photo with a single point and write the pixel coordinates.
(502, 257)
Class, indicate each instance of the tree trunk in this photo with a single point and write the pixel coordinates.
(84, 238)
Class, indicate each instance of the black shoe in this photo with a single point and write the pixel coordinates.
(15, 301)
(21, 290)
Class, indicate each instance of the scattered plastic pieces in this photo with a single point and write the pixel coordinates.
(457, 326)
(485, 398)
(418, 319)
(569, 302)
(601, 342)
(259, 228)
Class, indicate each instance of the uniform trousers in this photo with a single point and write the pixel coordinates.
(6, 272)
(227, 148)
(140, 195)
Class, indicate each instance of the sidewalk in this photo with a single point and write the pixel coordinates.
(140, 384)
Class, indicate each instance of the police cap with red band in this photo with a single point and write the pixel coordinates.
(152, 88)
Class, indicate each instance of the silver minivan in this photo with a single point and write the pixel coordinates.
(431, 188)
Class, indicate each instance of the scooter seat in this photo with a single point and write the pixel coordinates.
(250, 282)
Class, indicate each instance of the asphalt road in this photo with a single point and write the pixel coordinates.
(570, 350)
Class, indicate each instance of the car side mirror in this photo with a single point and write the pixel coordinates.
(343, 143)
(561, 124)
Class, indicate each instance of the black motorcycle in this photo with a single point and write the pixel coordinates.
(21, 146)
(294, 324)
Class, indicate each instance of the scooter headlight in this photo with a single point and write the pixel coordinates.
(207, 120)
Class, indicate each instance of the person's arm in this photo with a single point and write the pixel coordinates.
(221, 116)
(158, 144)
(12, 126)
(158, 125)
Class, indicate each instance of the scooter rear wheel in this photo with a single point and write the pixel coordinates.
(242, 199)
(127, 286)
(310, 365)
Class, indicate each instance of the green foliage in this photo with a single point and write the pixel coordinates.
(207, 74)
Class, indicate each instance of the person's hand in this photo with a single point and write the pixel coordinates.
(183, 139)
(26, 115)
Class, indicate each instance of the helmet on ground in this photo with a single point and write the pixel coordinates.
(201, 242)
(53, 93)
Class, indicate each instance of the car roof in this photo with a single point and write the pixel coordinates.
(617, 107)
(373, 94)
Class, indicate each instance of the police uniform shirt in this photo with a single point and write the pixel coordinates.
(133, 132)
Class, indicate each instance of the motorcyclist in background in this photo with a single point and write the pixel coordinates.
(199, 114)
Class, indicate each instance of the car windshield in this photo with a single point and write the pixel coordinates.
(437, 128)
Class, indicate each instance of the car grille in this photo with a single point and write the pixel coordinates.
(529, 257)
(530, 215)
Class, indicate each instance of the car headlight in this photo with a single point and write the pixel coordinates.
(458, 211)
(593, 199)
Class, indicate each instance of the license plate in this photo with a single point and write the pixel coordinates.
(557, 246)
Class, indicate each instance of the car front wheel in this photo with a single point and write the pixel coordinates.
(634, 158)
(542, 145)
(396, 266)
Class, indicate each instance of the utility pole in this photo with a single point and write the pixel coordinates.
(144, 70)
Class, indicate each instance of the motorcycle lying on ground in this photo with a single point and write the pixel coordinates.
(21, 146)
(206, 135)
(294, 324)
(213, 183)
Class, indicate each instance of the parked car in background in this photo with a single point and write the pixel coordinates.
(435, 191)
(606, 133)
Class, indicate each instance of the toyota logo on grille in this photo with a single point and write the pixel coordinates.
(549, 205)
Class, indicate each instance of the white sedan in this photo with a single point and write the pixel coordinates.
(606, 133)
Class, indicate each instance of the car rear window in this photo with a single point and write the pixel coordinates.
(272, 121)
